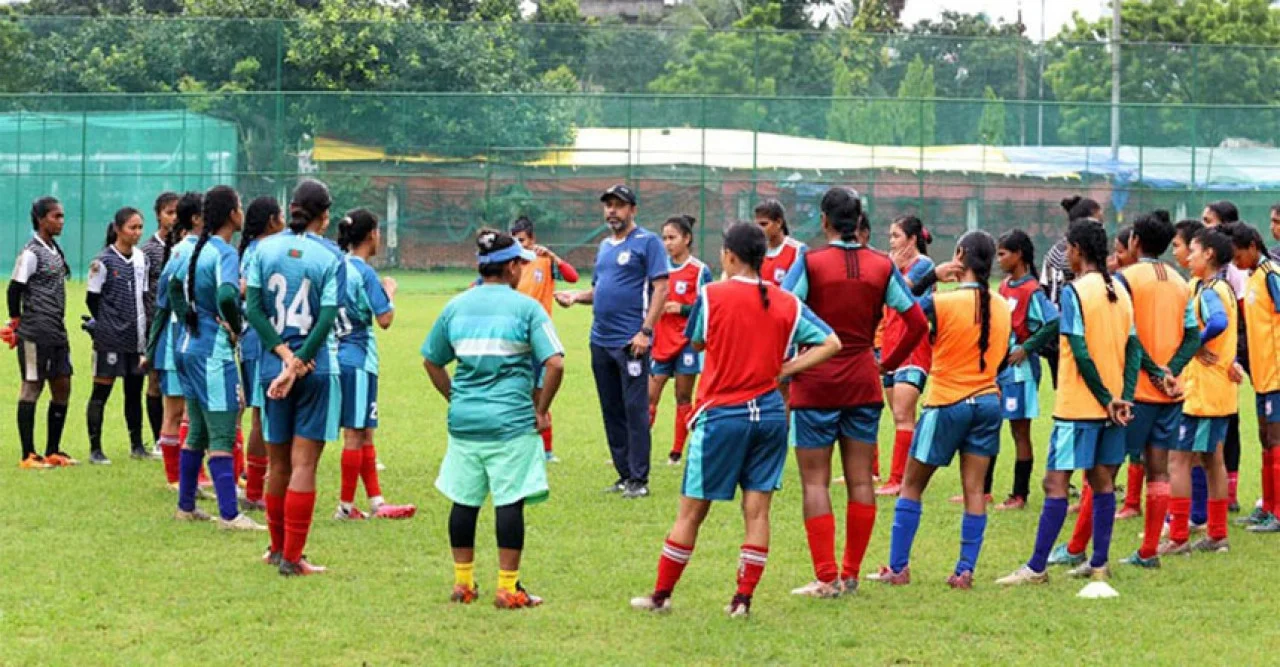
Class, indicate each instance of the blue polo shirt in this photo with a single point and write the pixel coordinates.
(624, 273)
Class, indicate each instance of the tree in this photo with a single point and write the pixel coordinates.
(1211, 72)
(991, 125)
(917, 119)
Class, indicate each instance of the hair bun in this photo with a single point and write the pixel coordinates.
(486, 240)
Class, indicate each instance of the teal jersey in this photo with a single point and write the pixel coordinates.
(363, 301)
(298, 274)
(164, 352)
(497, 335)
(217, 265)
(250, 344)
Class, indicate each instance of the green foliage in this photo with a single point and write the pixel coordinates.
(917, 120)
(991, 125)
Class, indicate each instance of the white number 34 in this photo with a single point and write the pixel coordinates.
(298, 315)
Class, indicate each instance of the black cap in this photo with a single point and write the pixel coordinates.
(621, 192)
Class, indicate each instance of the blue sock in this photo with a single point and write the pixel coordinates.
(1104, 519)
(222, 470)
(972, 528)
(1052, 516)
(189, 461)
(1199, 496)
(906, 521)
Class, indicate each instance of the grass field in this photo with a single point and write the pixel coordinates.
(93, 570)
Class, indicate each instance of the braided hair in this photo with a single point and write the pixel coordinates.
(118, 221)
(39, 209)
(1090, 240)
(355, 227)
(189, 206)
(1016, 240)
(843, 209)
(220, 202)
(748, 243)
(979, 252)
(257, 220)
(772, 209)
(310, 202)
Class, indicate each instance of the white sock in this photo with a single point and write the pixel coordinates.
(346, 507)
(376, 502)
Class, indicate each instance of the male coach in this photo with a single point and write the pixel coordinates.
(627, 293)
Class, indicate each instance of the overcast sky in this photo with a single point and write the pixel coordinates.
(1057, 12)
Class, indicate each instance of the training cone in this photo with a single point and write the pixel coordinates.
(1096, 590)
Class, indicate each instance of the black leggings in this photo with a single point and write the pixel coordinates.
(133, 387)
(1231, 448)
(508, 520)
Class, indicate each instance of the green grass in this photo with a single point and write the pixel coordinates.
(93, 570)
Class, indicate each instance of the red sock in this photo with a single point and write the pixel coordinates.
(1275, 481)
(683, 413)
(351, 462)
(859, 520)
(1179, 518)
(237, 455)
(821, 531)
(256, 474)
(1084, 523)
(369, 470)
(1218, 518)
(751, 562)
(1153, 522)
(546, 440)
(183, 429)
(1268, 491)
(653, 415)
(275, 521)
(1233, 486)
(298, 508)
(172, 453)
(671, 564)
(901, 449)
(1133, 490)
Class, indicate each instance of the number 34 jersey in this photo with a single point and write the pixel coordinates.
(298, 274)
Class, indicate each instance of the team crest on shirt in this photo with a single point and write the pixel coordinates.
(112, 358)
(1251, 296)
(779, 274)
(682, 286)
(1013, 302)
(537, 275)
(624, 257)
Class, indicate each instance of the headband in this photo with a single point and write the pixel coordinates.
(507, 254)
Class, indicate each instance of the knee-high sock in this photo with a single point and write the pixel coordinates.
(1133, 487)
(27, 427)
(1153, 521)
(1084, 523)
(1104, 517)
(972, 529)
(222, 469)
(547, 441)
(901, 450)
(275, 521)
(255, 476)
(1268, 489)
(170, 451)
(94, 414)
(155, 415)
(1022, 478)
(369, 471)
(671, 564)
(683, 413)
(1199, 496)
(1218, 518)
(751, 562)
(821, 534)
(352, 459)
(237, 455)
(1275, 477)
(133, 388)
(57, 415)
(860, 520)
(1052, 516)
(1179, 515)
(906, 521)
(189, 468)
(298, 508)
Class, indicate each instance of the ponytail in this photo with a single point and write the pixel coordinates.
(257, 220)
(39, 209)
(118, 222)
(193, 318)
(355, 227)
(189, 206)
(1018, 241)
(912, 227)
(220, 202)
(747, 242)
(310, 202)
(843, 209)
(1090, 239)
(979, 252)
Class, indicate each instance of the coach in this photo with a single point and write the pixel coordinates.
(627, 294)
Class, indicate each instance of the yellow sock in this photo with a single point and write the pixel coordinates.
(463, 574)
(507, 580)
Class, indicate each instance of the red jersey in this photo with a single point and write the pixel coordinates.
(1020, 296)
(777, 263)
(895, 327)
(848, 285)
(738, 367)
(684, 282)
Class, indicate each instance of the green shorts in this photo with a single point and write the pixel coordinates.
(211, 429)
(511, 470)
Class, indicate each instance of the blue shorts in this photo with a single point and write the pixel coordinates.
(1154, 424)
(310, 411)
(912, 375)
(971, 426)
(688, 362)
(1268, 406)
(359, 398)
(255, 394)
(1081, 445)
(213, 384)
(1019, 400)
(821, 428)
(1202, 435)
(170, 385)
(736, 446)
